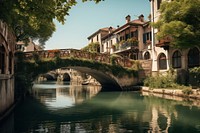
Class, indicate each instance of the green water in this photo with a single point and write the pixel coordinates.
(65, 108)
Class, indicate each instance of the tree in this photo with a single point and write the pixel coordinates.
(34, 18)
(92, 47)
(180, 21)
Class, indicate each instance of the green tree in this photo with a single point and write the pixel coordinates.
(180, 21)
(35, 18)
(92, 47)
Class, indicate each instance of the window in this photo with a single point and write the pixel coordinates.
(147, 55)
(162, 61)
(10, 62)
(158, 3)
(107, 47)
(193, 57)
(97, 38)
(176, 59)
(126, 36)
(102, 49)
(2, 59)
(146, 36)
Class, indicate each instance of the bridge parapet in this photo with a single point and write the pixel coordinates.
(80, 54)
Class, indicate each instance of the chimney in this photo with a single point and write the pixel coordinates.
(110, 29)
(128, 18)
(141, 18)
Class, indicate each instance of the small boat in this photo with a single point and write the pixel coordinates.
(85, 82)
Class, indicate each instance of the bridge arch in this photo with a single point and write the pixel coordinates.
(107, 82)
(111, 77)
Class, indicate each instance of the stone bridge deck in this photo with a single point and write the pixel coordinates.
(74, 53)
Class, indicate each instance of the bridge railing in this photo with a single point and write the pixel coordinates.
(79, 54)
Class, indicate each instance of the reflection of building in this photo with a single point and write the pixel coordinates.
(7, 49)
(63, 95)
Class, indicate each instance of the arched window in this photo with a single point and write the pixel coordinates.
(147, 55)
(2, 59)
(193, 57)
(176, 59)
(162, 61)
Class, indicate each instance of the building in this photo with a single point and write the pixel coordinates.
(98, 35)
(130, 40)
(31, 46)
(163, 56)
(7, 50)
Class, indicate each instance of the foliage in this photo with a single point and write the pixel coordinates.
(187, 91)
(161, 81)
(34, 18)
(167, 81)
(122, 42)
(92, 47)
(180, 20)
(132, 41)
(116, 45)
(128, 43)
(113, 58)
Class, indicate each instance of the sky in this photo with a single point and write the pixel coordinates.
(86, 18)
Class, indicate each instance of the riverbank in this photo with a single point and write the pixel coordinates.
(172, 92)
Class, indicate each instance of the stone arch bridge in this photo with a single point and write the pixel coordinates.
(113, 73)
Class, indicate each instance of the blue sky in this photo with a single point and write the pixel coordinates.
(88, 17)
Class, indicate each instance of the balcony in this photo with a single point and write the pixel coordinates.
(164, 43)
(131, 43)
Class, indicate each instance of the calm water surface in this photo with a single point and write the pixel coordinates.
(65, 108)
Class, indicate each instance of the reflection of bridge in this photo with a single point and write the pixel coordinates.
(110, 71)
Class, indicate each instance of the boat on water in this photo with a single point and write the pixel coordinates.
(85, 82)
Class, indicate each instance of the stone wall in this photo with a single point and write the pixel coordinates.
(7, 50)
(6, 93)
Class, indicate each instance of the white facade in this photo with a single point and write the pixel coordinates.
(164, 57)
(97, 37)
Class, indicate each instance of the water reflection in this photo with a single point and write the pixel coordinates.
(75, 109)
(58, 95)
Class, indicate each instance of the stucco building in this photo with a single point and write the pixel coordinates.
(31, 46)
(136, 39)
(130, 40)
(163, 56)
(98, 35)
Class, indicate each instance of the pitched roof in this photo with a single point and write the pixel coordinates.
(95, 33)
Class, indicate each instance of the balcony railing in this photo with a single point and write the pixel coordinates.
(125, 46)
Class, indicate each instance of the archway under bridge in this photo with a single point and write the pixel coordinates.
(111, 77)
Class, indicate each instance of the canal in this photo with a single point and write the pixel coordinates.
(67, 108)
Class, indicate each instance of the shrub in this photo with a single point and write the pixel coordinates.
(195, 76)
(161, 81)
(187, 90)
